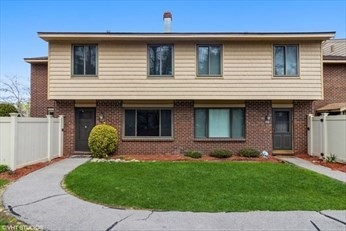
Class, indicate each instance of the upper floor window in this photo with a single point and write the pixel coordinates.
(160, 60)
(84, 59)
(286, 60)
(209, 60)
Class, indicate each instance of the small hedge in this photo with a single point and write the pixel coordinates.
(249, 152)
(6, 109)
(3, 168)
(103, 141)
(193, 154)
(221, 153)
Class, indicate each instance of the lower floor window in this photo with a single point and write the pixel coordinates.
(219, 123)
(148, 122)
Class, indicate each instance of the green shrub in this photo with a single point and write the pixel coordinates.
(103, 141)
(193, 154)
(331, 158)
(3, 168)
(6, 109)
(249, 152)
(221, 153)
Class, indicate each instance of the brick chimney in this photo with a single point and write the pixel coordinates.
(167, 22)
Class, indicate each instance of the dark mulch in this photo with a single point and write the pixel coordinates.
(18, 173)
(180, 157)
(318, 161)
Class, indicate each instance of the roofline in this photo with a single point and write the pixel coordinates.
(334, 60)
(35, 60)
(51, 36)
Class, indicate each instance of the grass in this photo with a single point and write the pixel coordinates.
(206, 186)
(3, 182)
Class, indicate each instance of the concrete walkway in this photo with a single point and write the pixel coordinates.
(37, 199)
(338, 175)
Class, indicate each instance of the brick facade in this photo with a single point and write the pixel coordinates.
(258, 133)
(334, 81)
(39, 98)
(66, 108)
(301, 109)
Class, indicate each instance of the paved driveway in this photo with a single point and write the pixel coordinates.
(38, 199)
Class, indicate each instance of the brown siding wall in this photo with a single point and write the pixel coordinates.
(258, 133)
(247, 74)
(334, 80)
(39, 83)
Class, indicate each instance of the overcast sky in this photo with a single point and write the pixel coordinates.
(21, 20)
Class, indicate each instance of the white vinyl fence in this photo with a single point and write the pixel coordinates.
(327, 135)
(27, 140)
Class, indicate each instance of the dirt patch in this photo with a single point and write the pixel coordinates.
(318, 161)
(18, 173)
(180, 157)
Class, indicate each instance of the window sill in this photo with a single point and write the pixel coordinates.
(209, 77)
(84, 76)
(286, 77)
(160, 77)
(144, 139)
(218, 140)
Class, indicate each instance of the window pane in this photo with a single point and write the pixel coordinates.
(166, 60)
(166, 123)
(291, 62)
(215, 65)
(281, 121)
(90, 60)
(237, 123)
(203, 60)
(219, 123)
(148, 123)
(130, 120)
(279, 60)
(154, 60)
(200, 123)
(78, 60)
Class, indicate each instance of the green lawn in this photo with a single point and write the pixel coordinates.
(206, 186)
(3, 182)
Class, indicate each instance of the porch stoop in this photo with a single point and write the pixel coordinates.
(283, 152)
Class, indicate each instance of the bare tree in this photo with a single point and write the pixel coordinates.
(14, 92)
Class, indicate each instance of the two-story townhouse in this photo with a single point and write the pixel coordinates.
(172, 92)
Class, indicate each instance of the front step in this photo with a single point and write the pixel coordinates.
(283, 152)
(81, 154)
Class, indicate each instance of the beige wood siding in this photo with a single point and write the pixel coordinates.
(247, 74)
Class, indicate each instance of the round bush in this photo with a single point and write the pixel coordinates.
(193, 154)
(103, 141)
(249, 152)
(6, 109)
(221, 153)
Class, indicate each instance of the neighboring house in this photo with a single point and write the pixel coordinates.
(40, 106)
(334, 78)
(171, 92)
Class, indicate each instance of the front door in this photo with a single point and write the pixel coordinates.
(282, 129)
(85, 121)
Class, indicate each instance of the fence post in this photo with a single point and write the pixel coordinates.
(324, 134)
(310, 134)
(13, 141)
(61, 135)
(50, 137)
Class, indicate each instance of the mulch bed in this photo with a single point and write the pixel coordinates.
(18, 173)
(318, 161)
(179, 157)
